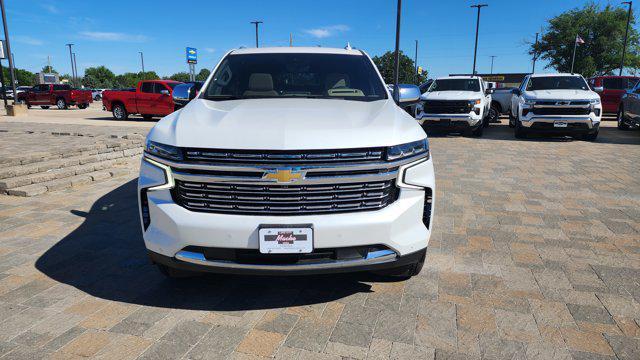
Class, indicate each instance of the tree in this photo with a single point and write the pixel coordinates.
(602, 29)
(408, 74)
(203, 75)
(23, 77)
(49, 70)
(99, 77)
(181, 76)
(129, 79)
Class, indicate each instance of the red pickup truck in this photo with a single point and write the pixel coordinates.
(61, 95)
(150, 98)
(611, 89)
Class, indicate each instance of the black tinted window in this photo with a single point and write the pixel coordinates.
(455, 85)
(350, 77)
(614, 83)
(158, 88)
(557, 83)
(146, 87)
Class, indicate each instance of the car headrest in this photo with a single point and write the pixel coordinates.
(260, 82)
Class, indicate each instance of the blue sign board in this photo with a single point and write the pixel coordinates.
(192, 55)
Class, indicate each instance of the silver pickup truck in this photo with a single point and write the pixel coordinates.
(501, 101)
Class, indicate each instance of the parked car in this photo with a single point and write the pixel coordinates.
(151, 98)
(629, 110)
(289, 161)
(501, 101)
(19, 89)
(457, 104)
(555, 104)
(611, 90)
(191, 89)
(97, 94)
(60, 95)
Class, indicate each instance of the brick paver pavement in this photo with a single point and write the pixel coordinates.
(535, 255)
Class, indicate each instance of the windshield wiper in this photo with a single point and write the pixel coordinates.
(221, 97)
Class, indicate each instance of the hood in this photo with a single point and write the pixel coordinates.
(561, 95)
(287, 124)
(451, 95)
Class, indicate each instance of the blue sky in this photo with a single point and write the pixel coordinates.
(112, 33)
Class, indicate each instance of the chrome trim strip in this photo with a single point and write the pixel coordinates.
(204, 178)
(306, 167)
(376, 257)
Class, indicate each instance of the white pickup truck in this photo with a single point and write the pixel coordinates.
(456, 104)
(555, 104)
(290, 160)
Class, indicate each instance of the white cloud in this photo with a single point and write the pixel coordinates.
(51, 8)
(113, 36)
(27, 40)
(327, 31)
(210, 50)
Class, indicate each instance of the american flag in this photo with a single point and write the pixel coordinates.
(579, 40)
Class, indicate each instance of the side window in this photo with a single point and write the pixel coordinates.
(159, 87)
(147, 87)
(43, 88)
(613, 83)
(631, 83)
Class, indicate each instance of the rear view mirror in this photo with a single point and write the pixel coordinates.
(488, 91)
(164, 92)
(407, 94)
(516, 92)
(598, 89)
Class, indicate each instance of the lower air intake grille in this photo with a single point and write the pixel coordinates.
(273, 199)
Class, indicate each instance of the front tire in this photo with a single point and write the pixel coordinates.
(44, 107)
(480, 130)
(494, 114)
(119, 112)
(61, 104)
(83, 106)
(590, 137)
(621, 124)
(519, 131)
(512, 121)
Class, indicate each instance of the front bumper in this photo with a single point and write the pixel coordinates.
(584, 124)
(450, 122)
(399, 227)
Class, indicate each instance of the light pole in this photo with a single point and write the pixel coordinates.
(72, 68)
(256, 23)
(475, 51)
(396, 60)
(9, 53)
(75, 66)
(535, 57)
(142, 61)
(624, 46)
(415, 62)
(492, 57)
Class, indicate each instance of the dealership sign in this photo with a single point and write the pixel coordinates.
(192, 55)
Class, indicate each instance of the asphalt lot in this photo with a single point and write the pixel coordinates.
(535, 255)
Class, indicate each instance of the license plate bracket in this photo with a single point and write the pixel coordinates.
(286, 239)
(560, 124)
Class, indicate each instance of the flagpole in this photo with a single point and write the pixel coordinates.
(575, 45)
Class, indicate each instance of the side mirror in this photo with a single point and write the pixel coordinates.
(488, 91)
(164, 92)
(183, 93)
(516, 92)
(598, 89)
(407, 94)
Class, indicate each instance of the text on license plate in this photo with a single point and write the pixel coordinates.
(560, 124)
(285, 240)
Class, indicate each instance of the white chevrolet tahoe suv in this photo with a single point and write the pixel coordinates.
(456, 104)
(555, 104)
(289, 161)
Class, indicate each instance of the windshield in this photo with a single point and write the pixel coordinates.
(323, 76)
(455, 85)
(557, 83)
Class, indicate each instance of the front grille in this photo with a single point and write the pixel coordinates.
(562, 102)
(446, 107)
(283, 157)
(561, 111)
(550, 126)
(273, 199)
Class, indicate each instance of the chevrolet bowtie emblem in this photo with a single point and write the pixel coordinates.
(283, 175)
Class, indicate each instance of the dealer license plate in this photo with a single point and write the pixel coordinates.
(560, 124)
(286, 240)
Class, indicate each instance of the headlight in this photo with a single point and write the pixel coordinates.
(163, 151)
(408, 149)
(594, 101)
(529, 102)
(474, 102)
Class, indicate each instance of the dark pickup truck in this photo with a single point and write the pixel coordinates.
(60, 95)
(151, 98)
